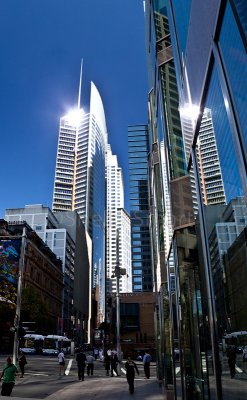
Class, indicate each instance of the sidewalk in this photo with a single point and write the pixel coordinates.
(110, 389)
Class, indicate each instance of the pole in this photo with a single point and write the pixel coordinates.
(118, 317)
(117, 274)
(19, 293)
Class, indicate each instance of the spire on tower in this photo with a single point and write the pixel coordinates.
(80, 83)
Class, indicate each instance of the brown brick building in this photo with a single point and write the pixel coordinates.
(137, 332)
(42, 269)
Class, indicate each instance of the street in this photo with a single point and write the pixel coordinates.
(42, 380)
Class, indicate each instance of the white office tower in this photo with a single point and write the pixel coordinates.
(80, 178)
(42, 220)
(209, 164)
(116, 220)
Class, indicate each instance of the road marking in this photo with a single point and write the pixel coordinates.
(238, 369)
(35, 374)
(177, 370)
(123, 370)
(68, 366)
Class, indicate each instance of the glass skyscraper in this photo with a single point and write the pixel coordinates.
(209, 45)
(80, 180)
(138, 150)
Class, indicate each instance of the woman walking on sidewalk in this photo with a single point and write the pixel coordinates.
(131, 367)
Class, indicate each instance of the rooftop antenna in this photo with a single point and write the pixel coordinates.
(79, 93)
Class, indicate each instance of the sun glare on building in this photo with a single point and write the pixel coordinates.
(74, 116)
(189, 111)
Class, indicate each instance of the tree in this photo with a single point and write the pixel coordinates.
(35, 310)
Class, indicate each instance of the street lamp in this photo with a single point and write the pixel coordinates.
(118, 273)
(19, 295)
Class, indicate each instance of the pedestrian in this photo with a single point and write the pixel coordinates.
(8, 376)
(114, 364)
(61, 361)
(146, 362)
(231, 354)
(81, 362)
(245, 354)
(131, 367)
(22, 363)
(107, 363)
(90, 364)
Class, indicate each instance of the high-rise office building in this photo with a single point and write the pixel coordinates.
(80, 179)
(209, 44)
(138, 150)
(117, 220)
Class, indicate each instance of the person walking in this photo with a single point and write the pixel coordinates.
(114, 363)
(107, 362)
(61, 362)
(146, 362)
(8, 376)
(81, 362)
(22, 363)
(90, 364)
(131, 367)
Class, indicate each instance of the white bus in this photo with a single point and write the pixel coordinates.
(32, 343)
(54, 343)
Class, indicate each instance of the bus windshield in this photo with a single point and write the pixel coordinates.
(54, 343)
(32, 344)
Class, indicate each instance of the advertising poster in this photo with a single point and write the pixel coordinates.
(9, 268)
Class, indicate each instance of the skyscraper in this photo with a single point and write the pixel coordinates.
(138, 149)
(117, 219)
(80, 179)
(209, 45)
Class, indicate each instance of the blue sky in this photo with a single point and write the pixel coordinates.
(41, 45)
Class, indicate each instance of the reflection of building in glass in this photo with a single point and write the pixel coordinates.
(229, 222)
(209, 163)
(235, 261)
(213, 79)
(116, 219)
(80, 179)
(138, 148)
(172, 218)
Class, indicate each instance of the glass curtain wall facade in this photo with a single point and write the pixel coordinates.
(138, 149)
(211, 66)
(80, 180)
(182, 327)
